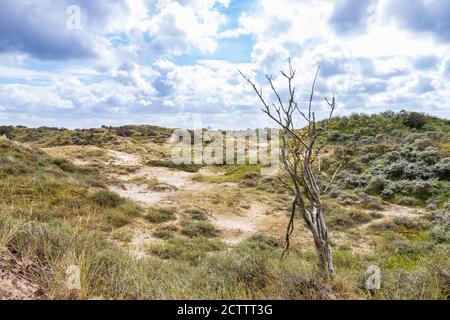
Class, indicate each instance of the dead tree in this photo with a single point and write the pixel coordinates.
(300, 149)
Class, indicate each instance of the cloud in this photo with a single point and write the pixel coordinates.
(423, 85)
(40, 30)
(350, 16)
(426, 62)
(179, 29)
(423, 16)
(165, 61)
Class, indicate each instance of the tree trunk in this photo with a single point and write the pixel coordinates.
(316, 224)
(323, 248)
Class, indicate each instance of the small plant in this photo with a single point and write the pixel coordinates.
(197, 214)
(415, 120)
(160, 215)
(118, 219)
(106, 199)
(194, 229)
(441, 225)
(165, 232)
(262, 242)
(191, 250)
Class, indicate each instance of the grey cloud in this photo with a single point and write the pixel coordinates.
(430, 16)
(425, 62)
(40, 28)
(423, 85)
(350, 16)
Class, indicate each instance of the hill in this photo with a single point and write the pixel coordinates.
(139, 227)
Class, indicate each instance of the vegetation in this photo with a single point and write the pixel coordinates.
(160, 215)
(54, 214)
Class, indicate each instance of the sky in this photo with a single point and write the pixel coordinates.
(83, 63)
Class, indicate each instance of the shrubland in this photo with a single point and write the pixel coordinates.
(56, 214)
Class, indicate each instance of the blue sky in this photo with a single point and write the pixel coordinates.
(173, 63)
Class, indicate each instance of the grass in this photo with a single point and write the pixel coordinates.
(194, 229)
(166, 232)
(160, 214)
(197, 214)
(50, 216)
(341, 218)
(232, 173)
(150, 183)
(106, 199)
(190, 250)
(169, 164)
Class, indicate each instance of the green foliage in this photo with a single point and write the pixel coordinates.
(389, 159)
(194, 229)
(106, 199)
(197, 214)
(160, 214)
(415, 120)
(171, 165)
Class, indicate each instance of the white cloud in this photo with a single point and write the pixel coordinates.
(179, 29)
(161, 58)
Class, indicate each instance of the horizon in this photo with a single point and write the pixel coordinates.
(83, 64)
(209, 127)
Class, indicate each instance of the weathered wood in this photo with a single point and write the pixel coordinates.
(299, 152)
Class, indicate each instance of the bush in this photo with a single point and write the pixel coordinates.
(165, 232)
(249, 183)
(6, 131)
(406, 201)
(261, 241)
(415, 120)
(393, 156)
(117, 219)
(197, 214)
(396, 169)
(442, 169)
(424, 189)
(376, 185)
(305, 287)
(191, 250)
(441, 225)
(408, 223)
(106, 199)
(447, 206)
(198, 229)
(160, 215)
(371, 202)
(242, 267)
(347, 218)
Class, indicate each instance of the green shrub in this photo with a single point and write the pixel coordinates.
(118, 219)
(441, 225)
(106, 199)
(160, 215)
(345, 218)
(197, 214)
(415, 120)
(198, 229)
(406, 201)
(376, 185)
(165, 232)
(408, 223)
(169, 164)
(191, 250)
(261, 241)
